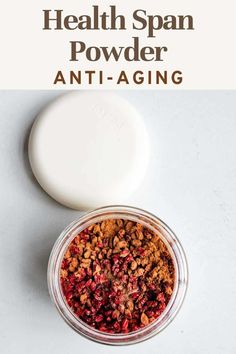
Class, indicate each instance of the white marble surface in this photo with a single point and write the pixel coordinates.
(191, 184)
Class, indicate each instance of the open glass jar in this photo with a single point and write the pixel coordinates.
(150, 222)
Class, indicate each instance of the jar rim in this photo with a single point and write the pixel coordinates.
(152, 222)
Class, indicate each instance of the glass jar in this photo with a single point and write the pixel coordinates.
(148, 220)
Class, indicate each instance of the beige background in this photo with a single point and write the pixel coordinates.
(30, 57)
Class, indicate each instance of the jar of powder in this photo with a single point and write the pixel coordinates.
(118, 275)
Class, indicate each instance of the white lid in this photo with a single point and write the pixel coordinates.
(89, 149)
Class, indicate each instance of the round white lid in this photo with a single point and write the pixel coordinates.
(89, 149)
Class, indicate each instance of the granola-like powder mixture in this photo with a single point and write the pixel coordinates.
(117, 276)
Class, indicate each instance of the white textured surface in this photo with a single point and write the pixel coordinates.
(89, 149)
(191, 184)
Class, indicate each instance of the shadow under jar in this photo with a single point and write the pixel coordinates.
(153, 303)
